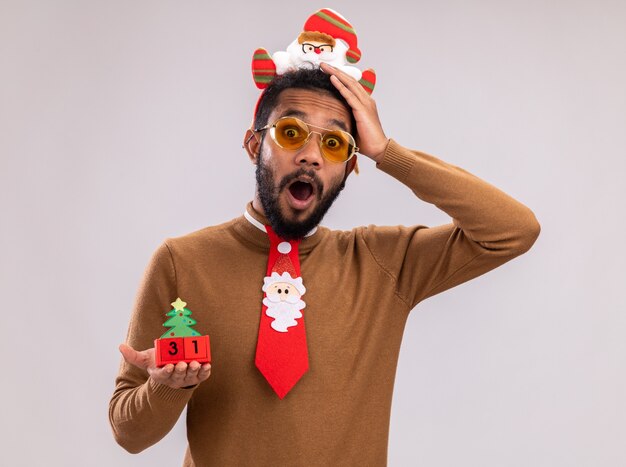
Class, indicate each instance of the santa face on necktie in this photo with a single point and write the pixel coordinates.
(282, 299)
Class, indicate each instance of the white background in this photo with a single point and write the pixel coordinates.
(121, 124)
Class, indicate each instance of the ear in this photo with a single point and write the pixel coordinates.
(251, 145)
(351, 165)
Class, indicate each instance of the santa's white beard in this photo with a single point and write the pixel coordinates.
(284, 313)
(314, 60)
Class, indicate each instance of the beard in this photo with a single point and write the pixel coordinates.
(269, 193)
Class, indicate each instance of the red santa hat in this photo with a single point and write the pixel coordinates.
(332, 23)
(284, 270)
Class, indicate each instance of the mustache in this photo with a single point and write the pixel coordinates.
(275, 298)
(315, 180)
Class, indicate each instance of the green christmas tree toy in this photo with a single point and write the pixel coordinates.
(181, 343)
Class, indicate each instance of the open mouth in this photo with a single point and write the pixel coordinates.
(301, 190)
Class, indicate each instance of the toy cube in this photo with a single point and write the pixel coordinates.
(197, 348)
(182, 349)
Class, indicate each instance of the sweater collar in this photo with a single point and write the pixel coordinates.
(251, 228)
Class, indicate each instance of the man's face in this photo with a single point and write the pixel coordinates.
(296, 188)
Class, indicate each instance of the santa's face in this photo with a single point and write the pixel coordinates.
(315, 52)
(282, 292)
(296, 188)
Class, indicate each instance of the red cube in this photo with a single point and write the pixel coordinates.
(197, 348)
(182, 349)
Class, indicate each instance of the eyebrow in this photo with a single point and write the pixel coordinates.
(303, 116)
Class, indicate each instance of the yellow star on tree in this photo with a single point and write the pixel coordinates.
(179, 304)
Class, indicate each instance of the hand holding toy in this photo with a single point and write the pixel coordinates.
(175, 376)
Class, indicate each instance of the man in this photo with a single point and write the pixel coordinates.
(360, 287)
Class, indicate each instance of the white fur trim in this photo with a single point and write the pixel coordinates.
(286, 278)
(284, 247)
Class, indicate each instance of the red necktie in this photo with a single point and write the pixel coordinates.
(281, 352)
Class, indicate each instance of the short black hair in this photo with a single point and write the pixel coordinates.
(302, 78)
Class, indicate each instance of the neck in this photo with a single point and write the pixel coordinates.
(258, 208)
(256, 204)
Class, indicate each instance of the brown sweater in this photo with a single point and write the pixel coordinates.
(361, 285)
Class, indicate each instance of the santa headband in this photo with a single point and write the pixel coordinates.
(327, 37)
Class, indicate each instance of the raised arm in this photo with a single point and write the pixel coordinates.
(488, 226)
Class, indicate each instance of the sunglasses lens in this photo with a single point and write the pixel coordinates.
(290, 133)
(337, 146)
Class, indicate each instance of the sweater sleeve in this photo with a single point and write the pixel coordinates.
(141, 411)
(488, 228)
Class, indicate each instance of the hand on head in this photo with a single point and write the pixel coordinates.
(371, 137)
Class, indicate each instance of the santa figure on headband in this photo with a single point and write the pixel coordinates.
(326, 37)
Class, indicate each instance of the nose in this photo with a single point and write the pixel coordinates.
(318, 51)
(310, 154)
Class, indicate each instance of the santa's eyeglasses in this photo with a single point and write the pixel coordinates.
(318, 49)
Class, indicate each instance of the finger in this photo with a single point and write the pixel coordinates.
(179, 373)
(353, 85)
(353, 101)
(161, 375)
(192, 372)
(205, 372)
(163, 372)
(349, 82)
(133, 357)
(331, 70)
